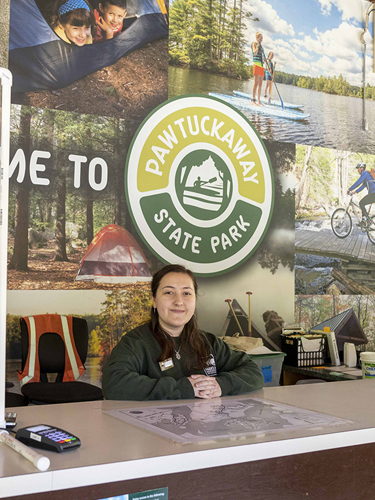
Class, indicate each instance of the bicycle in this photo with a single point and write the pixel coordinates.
(342, 224)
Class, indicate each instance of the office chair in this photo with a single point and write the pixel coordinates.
(13, 399)
(53, 355)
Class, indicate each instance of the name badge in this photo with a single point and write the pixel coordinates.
(210, 369)
(166, 364)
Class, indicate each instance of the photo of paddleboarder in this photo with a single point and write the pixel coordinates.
(269, 74)
(258, 67)
(323, 89)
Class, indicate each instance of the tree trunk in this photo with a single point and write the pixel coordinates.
(51, 141)
(211, 30)
(60, 233)
(239, 29)
(359, 309)
(302, 184)
(19, 258)
(219, 31)
(340, 177)
(119, 166)
(232, 32)
(89, 219)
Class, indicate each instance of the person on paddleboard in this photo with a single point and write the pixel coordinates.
(269, 71)
(258, 67)
(365, 180)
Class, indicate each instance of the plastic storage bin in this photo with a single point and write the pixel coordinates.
(311, 351)
(271, 365)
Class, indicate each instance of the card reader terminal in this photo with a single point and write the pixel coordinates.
(49, 438)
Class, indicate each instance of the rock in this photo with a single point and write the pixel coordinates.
(73, 231)
(312, 281)
(49, 234)
(318, 261)
(333, 289)
(36, 238)
(274, 326)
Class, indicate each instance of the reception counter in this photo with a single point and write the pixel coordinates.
(118, 458)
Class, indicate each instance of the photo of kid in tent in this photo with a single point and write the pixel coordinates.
(73, 58)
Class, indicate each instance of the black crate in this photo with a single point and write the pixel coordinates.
(296, 355)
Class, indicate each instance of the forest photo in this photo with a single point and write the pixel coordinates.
(210, 35)
(340, 262)
(66, 185)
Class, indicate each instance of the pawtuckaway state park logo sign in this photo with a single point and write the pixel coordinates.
(199, 184)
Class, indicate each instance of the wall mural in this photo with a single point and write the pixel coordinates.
(79, 108)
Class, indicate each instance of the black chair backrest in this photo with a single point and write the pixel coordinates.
(52, 349)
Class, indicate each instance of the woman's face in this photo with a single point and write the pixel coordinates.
(175, 301)
(77, 34)
(259, 38)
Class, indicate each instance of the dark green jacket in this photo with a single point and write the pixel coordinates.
(132, 371)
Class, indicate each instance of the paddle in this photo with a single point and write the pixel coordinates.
(264, 55)
(273, 74)
(209, 181)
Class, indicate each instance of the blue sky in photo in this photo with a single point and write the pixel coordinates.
(294, 12)
(313, 37)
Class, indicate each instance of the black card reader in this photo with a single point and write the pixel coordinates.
(47, 437)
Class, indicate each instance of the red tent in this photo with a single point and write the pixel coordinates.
(113, 256)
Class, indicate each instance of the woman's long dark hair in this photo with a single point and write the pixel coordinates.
(191, 337)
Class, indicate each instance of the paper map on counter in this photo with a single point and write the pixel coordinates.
(206, 420)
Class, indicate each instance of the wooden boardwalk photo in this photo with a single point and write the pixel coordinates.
(356, 246)
(356, 254)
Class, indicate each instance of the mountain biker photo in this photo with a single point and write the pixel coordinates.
(365, 180)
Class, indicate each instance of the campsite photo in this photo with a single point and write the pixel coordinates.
(335, 222)
(115, 66)
(69, 225)
(350, 315)
(295, 69)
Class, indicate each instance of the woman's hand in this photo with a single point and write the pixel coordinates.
(205, 387)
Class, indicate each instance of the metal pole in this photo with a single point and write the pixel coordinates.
(370, 9)
(364, 120)
(249, 318)
(6, 83)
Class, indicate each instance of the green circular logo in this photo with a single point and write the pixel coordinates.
(199, 184)
(203, 184)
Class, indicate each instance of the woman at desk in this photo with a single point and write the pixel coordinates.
(170, 357)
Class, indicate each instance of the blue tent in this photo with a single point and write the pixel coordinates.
(40, 60)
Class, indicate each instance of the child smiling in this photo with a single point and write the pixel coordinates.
(109, 19)
(73, 21)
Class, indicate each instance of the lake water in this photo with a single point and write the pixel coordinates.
(335, 121)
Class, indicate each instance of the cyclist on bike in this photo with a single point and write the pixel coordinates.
(365, 180)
